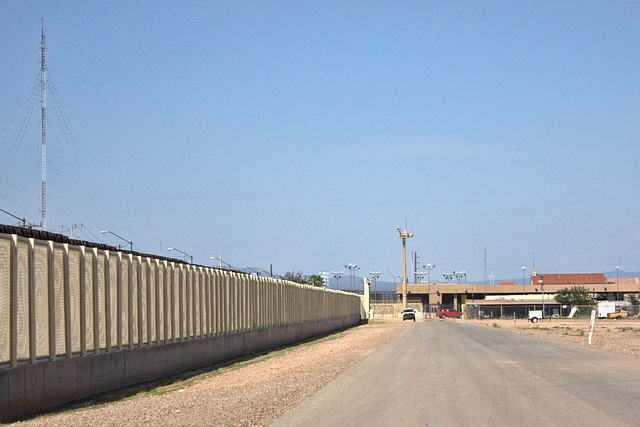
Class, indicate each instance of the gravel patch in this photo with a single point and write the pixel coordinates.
(254, 393)
(615, 336)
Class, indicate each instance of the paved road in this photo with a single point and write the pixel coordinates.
(447, 372)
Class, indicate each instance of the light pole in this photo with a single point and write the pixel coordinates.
(491, 280)
(404, 235)
(394, 277)
(617, 284)
(337, 275)
(429, 267)
(523, 268)
(374, 276)
(421, 275)
(255, 271)
(184, 254)
(352, 271)
(459, 275)
(448, 277)
(542, 290)
(119, 237)
(24, 220)
(221, 261)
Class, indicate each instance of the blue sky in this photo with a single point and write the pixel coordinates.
(302, 134)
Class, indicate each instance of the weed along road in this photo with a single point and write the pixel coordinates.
(449, 372)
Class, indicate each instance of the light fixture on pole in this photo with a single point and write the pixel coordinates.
(429, 267)
(459, 275)
(337, 275)
(448, 277)
(394, 277)
(352, 274)
(404, 235)
(523, 268)
(184, 254)
(119, 237)
(617, 284)
(374, 276)
(542, 290)
(255, 271)
(221, 261)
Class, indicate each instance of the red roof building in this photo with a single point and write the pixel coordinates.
(568, 279)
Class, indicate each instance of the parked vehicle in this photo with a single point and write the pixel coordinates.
(535, 315)
(618, 315)
(448, 312)
(605, 308)
(408, 314)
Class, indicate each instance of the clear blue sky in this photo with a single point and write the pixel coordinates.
(302, 134)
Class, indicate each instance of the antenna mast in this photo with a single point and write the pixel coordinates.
(43, 106)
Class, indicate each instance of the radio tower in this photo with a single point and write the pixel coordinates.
(43, 105)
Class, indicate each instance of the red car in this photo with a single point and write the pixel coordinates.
(448, 312)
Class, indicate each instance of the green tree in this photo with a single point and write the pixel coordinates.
(295, 276)
(577, 295)
(315, 280)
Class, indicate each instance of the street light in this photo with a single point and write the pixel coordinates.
(119, 237)
(255, 271)
(429, 267)
(459, 275)
(184, 254)
(337, 275)
(542, 290)
(374, 276)
(221, 261)
(617, 284)
(352, 274)
(394, 277)
(448, 277)
(523, 268)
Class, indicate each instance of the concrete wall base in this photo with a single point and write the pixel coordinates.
(31, 389)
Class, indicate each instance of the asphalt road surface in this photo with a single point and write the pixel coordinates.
(447, 372)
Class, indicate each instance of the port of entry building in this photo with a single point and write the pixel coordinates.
(506, 299)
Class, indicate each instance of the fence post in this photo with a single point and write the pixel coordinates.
(52, 302)
(31, 268)
(66, 286)
(107, 301)
(83, 301)
(13, 303)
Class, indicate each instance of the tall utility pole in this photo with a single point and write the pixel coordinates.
(43, 107)
(404, 235)
(485, 266)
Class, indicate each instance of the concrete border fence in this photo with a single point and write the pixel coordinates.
(77, 320)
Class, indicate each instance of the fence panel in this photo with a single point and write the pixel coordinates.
(59, 300)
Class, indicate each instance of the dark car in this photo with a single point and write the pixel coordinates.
(408, 314)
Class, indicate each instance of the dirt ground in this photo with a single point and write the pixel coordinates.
(616, 336)
(252, 392)
(259, 390)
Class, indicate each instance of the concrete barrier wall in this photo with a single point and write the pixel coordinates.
(67, 309)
